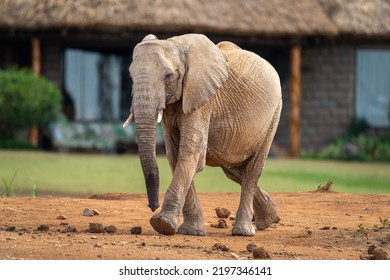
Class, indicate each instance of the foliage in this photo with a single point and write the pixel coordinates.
(8, 185)
(10, 143)
(363, 230)
(362, 147)
(34, 192)
(384, 222)
(358, 145)
(26, 100)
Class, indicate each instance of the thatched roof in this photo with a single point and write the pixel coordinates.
(244, 17)
(359, 17)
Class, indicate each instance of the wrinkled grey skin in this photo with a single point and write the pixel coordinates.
(221, 107)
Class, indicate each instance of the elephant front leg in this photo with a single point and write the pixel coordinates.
(187, 156)
(166, 221)
(193, 223)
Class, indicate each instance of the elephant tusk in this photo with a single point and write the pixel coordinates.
(128, 121)
(160, 115)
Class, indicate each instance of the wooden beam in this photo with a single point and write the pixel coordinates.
(295, 101)
(36, 56)
(36, 66)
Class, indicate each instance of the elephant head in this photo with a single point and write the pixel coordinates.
(187, 69)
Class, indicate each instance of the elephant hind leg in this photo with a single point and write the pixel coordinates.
(265, 210)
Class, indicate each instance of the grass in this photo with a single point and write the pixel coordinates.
(86, 174)
(8, 185)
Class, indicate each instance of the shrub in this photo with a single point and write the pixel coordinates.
(361, 143)
(356, 147)
(26, 101)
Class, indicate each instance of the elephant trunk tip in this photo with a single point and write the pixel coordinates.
(152, 187)
(153, 206)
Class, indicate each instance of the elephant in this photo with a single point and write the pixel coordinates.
(220, 106)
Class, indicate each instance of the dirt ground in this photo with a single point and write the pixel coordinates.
(314, 225)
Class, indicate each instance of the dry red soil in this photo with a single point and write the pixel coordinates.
(314, 225)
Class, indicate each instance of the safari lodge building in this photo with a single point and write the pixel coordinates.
(333, 58)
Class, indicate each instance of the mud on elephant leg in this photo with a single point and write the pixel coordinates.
(265, 210)
(193, 223)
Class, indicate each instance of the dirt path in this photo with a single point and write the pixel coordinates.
(313, 226)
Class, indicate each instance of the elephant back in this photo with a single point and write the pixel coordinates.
(250, 74)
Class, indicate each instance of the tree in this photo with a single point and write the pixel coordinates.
(26, 100)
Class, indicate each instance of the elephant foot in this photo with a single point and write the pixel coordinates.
(265, 210)
(243, 230)
(163, 225)
(190, 229)
(263, 223)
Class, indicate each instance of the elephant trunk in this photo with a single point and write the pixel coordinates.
(145, 117)
(146, 136)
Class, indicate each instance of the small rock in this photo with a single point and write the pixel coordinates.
(220, 247)
(43, 228)
(136, 230)
(110, 229)
(64, 224)
(261, 254)
(69, 229)
(222, 213)
(380, 254)
(88, 212)
(10, 228)
(221, 224)
(371, 249)
(61, 217)
(97, 245)
(95, 228)
(234, 255)
(10, 238)
(143, 244)
(309, 231)
(365, 257)
(325, 228)
(250, 247)
(93, 237)
(96, 212)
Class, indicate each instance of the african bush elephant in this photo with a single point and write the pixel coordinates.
(219, 105)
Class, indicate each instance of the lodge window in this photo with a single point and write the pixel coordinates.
(373, 87)
(96, 86)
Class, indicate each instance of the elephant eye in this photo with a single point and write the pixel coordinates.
(168, 77)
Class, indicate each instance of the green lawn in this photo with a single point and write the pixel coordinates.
(86, 174)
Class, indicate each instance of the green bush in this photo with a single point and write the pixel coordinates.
(26, 100)
(356, 147)
(359, 144)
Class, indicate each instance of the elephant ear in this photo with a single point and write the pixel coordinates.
(149, 37)
(206, 70)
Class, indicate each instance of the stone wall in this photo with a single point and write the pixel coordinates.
(52, 63)
(328, 97)
(328, 94)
